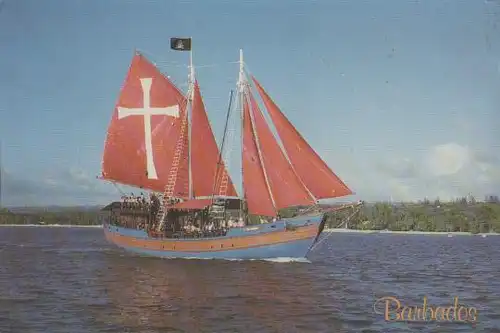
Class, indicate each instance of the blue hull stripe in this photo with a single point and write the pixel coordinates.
(296, 249)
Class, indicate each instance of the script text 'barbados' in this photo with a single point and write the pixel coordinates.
(393, 310)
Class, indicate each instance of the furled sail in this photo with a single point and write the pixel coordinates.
(205, 155)
(315, 174)
(144, 131)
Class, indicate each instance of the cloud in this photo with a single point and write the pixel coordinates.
(398, 167)
(447, 159)
(446, 170)
(71, 186)
(473, 169)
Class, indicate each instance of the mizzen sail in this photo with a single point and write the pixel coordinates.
(286, 188)
(315, 174)
(205, 155)
(144, 129)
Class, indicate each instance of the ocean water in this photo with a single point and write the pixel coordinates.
(70, 280)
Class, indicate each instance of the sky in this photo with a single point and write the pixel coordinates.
(401, 98)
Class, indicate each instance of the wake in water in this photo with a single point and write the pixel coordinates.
(276, 260)
(288, 259)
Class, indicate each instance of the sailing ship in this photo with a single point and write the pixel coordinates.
(160, 140)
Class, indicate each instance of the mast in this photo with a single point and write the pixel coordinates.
(240, 86)
(190, 114)
(254, 132)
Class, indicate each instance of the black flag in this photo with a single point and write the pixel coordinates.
(180, 44)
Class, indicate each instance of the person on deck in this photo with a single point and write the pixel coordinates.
(155, 205)
(124, 203)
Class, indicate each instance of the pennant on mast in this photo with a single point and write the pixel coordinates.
(144, 128)
(315, 174)
(180, 44)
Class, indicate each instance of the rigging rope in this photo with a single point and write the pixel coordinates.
(119, 190)
(331, 233)
(220, 161)
(177, 64)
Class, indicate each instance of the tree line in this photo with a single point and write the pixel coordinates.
(66, 217)
(463, 214)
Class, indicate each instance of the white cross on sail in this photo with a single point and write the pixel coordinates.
(147, 111)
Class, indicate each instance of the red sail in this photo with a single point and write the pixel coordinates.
(312, 170)
(286, 188)
(257, 195)
(205, 154)
(144, 130)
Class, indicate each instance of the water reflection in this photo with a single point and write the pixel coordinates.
(53, 279)
(195, 294)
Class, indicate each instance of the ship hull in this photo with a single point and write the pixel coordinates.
(264, 241)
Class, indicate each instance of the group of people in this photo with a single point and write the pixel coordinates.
(134, 202)
(145, 216)
(233, 223)
(191, 227)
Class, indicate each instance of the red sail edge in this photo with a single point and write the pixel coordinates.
(205, 154)
(125, 158)
(257, 195)
(319, 179)
(286, 188)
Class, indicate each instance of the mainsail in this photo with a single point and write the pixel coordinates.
(148, 145)
(147, 122)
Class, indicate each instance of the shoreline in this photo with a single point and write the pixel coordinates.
(326, 230)
(437, 233)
